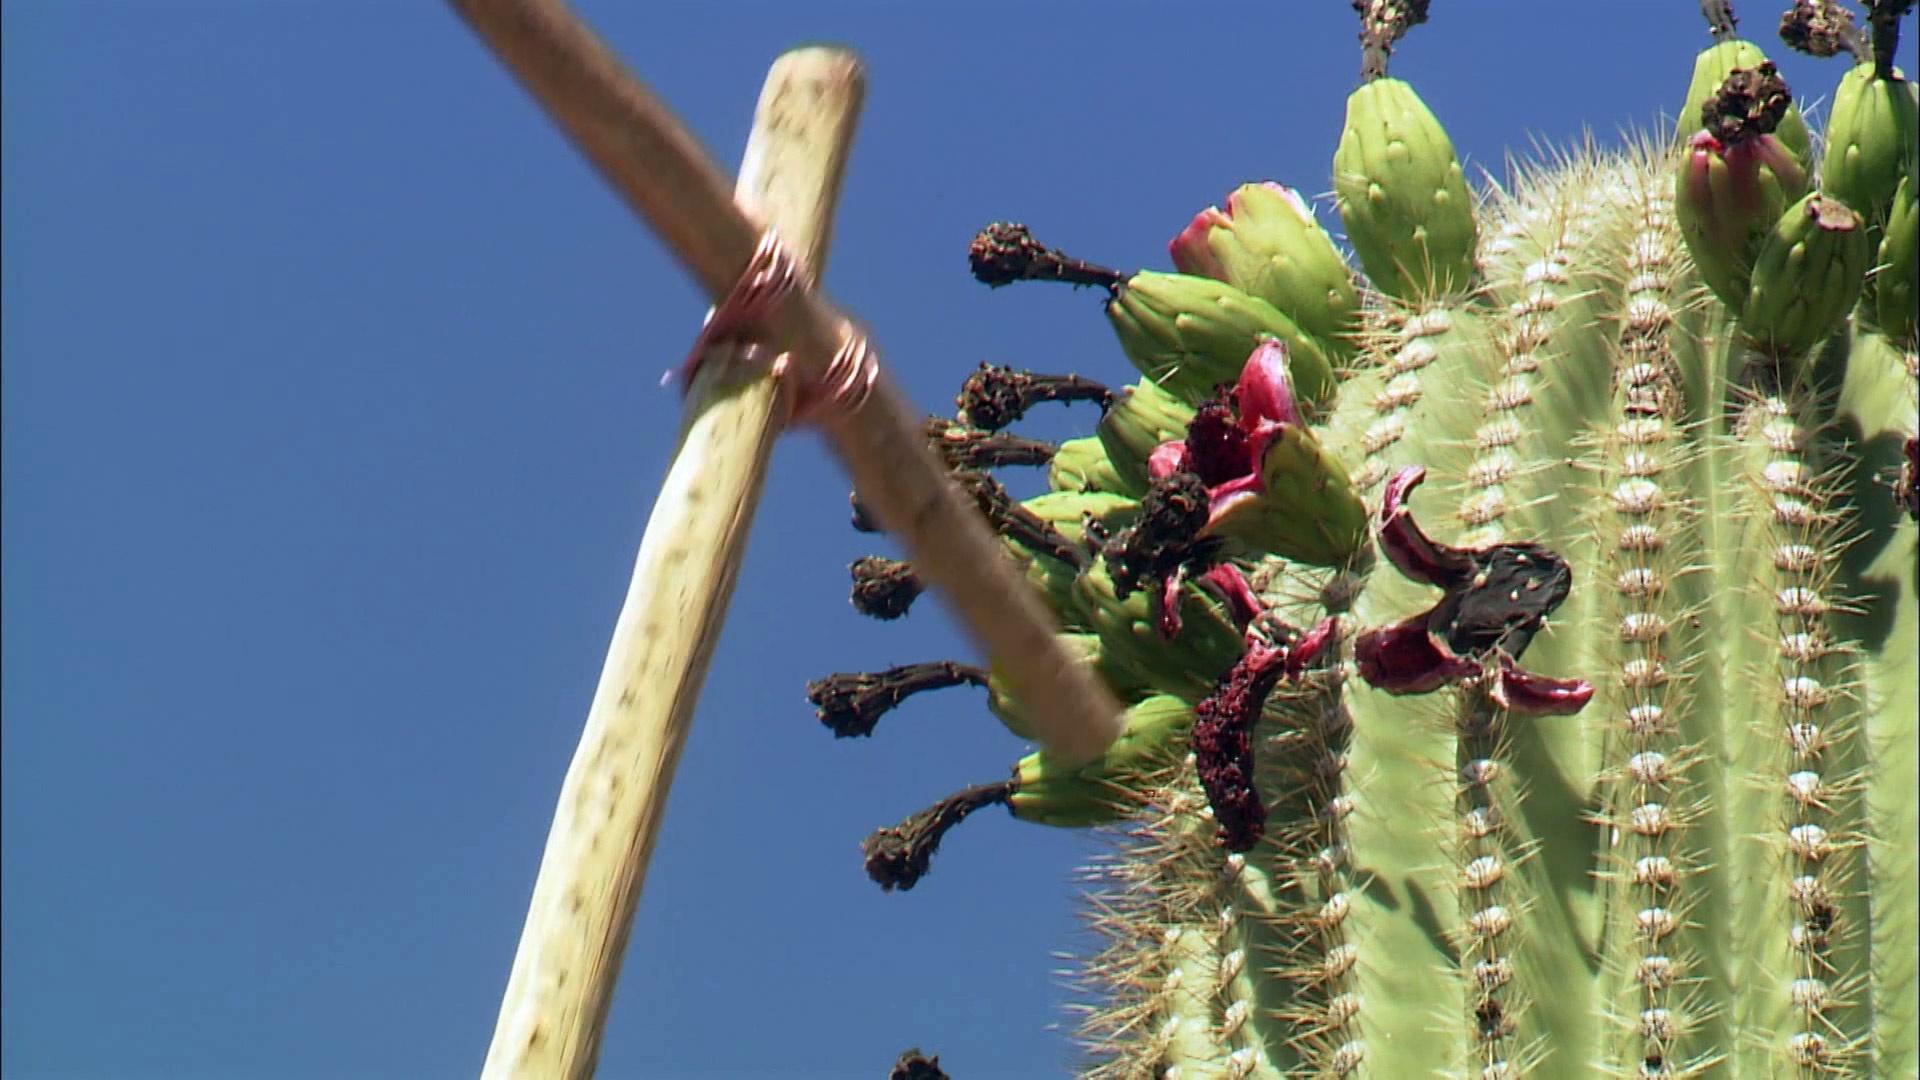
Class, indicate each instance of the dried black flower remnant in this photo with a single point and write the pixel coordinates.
(883, 588)
(899, 856)
(851, 703)
(914, 1065)
(1496, 599)
(995, 396)
(1751, 102)
(1005, 252)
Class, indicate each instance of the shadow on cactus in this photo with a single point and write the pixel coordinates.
(1595, 756)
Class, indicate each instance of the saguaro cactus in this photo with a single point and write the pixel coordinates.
(1520, 645)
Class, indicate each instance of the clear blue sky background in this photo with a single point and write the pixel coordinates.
(331, 424)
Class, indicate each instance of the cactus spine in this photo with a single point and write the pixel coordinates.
(1609, 769)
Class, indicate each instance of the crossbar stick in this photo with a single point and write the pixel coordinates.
(656, 165)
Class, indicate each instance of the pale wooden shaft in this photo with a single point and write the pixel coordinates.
(615, 793)
(661, 171)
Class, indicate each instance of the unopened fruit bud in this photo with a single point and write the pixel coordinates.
(1870, 141)
(1729, 195)
(1208, 642)
(1894, 294)
(1142, 417)
(1807, 277)
(1083, 465)
(1007, 703)
(1048, 793)
(1402, 195)
(1267, 244)
(1190, 334)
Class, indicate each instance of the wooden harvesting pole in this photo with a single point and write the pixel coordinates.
(615, 791)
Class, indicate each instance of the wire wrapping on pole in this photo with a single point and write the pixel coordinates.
(771, 276)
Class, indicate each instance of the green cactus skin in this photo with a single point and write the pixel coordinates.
(1711, 868)
(1892, 281)
(1085, 465)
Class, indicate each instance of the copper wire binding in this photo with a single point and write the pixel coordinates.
(771, 277)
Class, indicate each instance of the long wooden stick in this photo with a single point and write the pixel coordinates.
(615, 793)
(643, 151)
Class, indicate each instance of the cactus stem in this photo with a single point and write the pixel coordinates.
(1414, 341)
(1720, 19)
(1383, 22)
(995, 396)
(1661, 767)
(851, 702)
(897, 857)
(1883, 17)
(1005, 252)
(883, 588)
(1712, 866)
(1823, 28)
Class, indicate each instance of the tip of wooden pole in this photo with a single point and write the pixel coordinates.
(831, 64)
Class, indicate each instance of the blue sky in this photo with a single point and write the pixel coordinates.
(331, 423)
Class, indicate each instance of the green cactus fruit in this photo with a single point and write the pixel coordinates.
(1710, 71)
(1318, 517)
(1131, 634)
(1190, 334)
(1893, 278)
(1068, 511)
(1003, 698)
(1141, 418)
(1402, 195)
(1267, 244)
(1727, 198)
(1809, 273)
(1870, 141)
(1084, 465)
(1152, 743)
